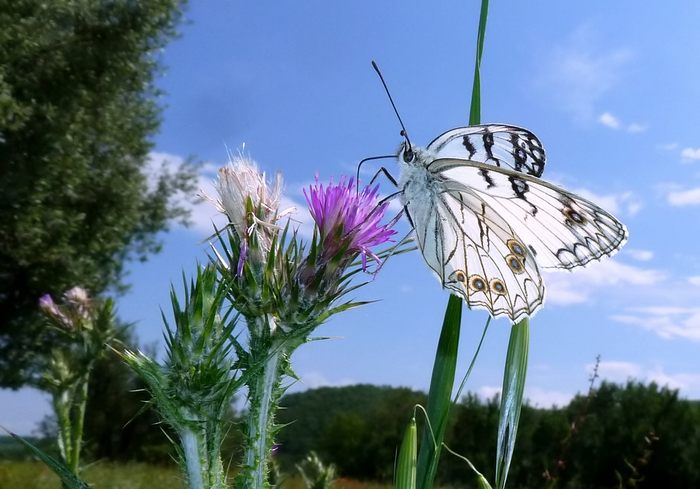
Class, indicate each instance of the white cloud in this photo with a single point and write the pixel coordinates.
(624, 203)
(580, 70)
(621, 371)
(666, 321)
(203, 213)
(314, 380)
(682, 198)
(535, 396)
(609, 120)
(546, 398)
(616, 371)
(636, 128)
(681, 381)
(579, 286)
(694, 280)
(486, 392)
(690, 154)
(613, 122)
(640, 255)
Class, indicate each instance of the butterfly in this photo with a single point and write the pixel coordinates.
(486, 223)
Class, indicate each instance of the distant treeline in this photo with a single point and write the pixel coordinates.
(627, 436)
(620, 436)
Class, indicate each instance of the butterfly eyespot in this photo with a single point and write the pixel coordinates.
(460, 276)
(516, 247)
(574, 216)
(477, 283)
(515, 263)
(498, 287)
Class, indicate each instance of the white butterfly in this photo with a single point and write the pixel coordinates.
(485, 222)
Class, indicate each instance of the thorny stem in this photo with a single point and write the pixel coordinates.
(191, 446)
(61, 405)
(79, 405)
(264, 396)
(69, 404)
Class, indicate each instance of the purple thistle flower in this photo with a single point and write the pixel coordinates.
(348, 220)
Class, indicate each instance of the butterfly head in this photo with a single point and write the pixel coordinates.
(412, 155)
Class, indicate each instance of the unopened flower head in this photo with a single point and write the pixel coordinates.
(348, 221)
(251, 204)
(76, 311)
(49, 307)
(80, 301)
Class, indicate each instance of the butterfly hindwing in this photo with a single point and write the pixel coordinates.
(499, 145)
(561, 229)
(477, 255)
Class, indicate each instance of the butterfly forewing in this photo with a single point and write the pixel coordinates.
(499, 145)
(561, 229)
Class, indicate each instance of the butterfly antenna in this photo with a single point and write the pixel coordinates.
(386, 88)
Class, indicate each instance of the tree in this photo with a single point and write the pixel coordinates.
(78, 111)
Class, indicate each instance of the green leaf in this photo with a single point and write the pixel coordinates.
(70, 480)
(405, 474)
(475, 112)
(440, 395)
(511, 398)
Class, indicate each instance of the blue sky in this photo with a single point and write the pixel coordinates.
(610, 89)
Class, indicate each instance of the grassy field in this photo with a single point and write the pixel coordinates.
(34, 475)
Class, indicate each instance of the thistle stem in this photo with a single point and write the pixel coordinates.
(61, 406)
(76, 435)
(264, 392)
(259, 427)
(191, 447)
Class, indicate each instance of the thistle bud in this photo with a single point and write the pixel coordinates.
(251, 205)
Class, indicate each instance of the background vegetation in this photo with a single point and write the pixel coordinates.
(631, 435)
(78, 199)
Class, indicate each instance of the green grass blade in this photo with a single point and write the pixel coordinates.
(446, 357)
(405, 474)
(511, 398)
(475, 112)
(70, 480)
(473, 362)
(440, 395)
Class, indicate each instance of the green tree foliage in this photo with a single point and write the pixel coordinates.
(621, 436)
(78, 111)
(356, 428)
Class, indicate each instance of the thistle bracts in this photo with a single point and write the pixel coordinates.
(195, 386)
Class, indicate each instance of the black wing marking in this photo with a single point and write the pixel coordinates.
(499, 145)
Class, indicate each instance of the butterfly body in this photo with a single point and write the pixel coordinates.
(486, 223)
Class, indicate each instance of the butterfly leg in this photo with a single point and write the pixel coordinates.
(405, 208)
(408, 216)
(386, 174)
(372, 158)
